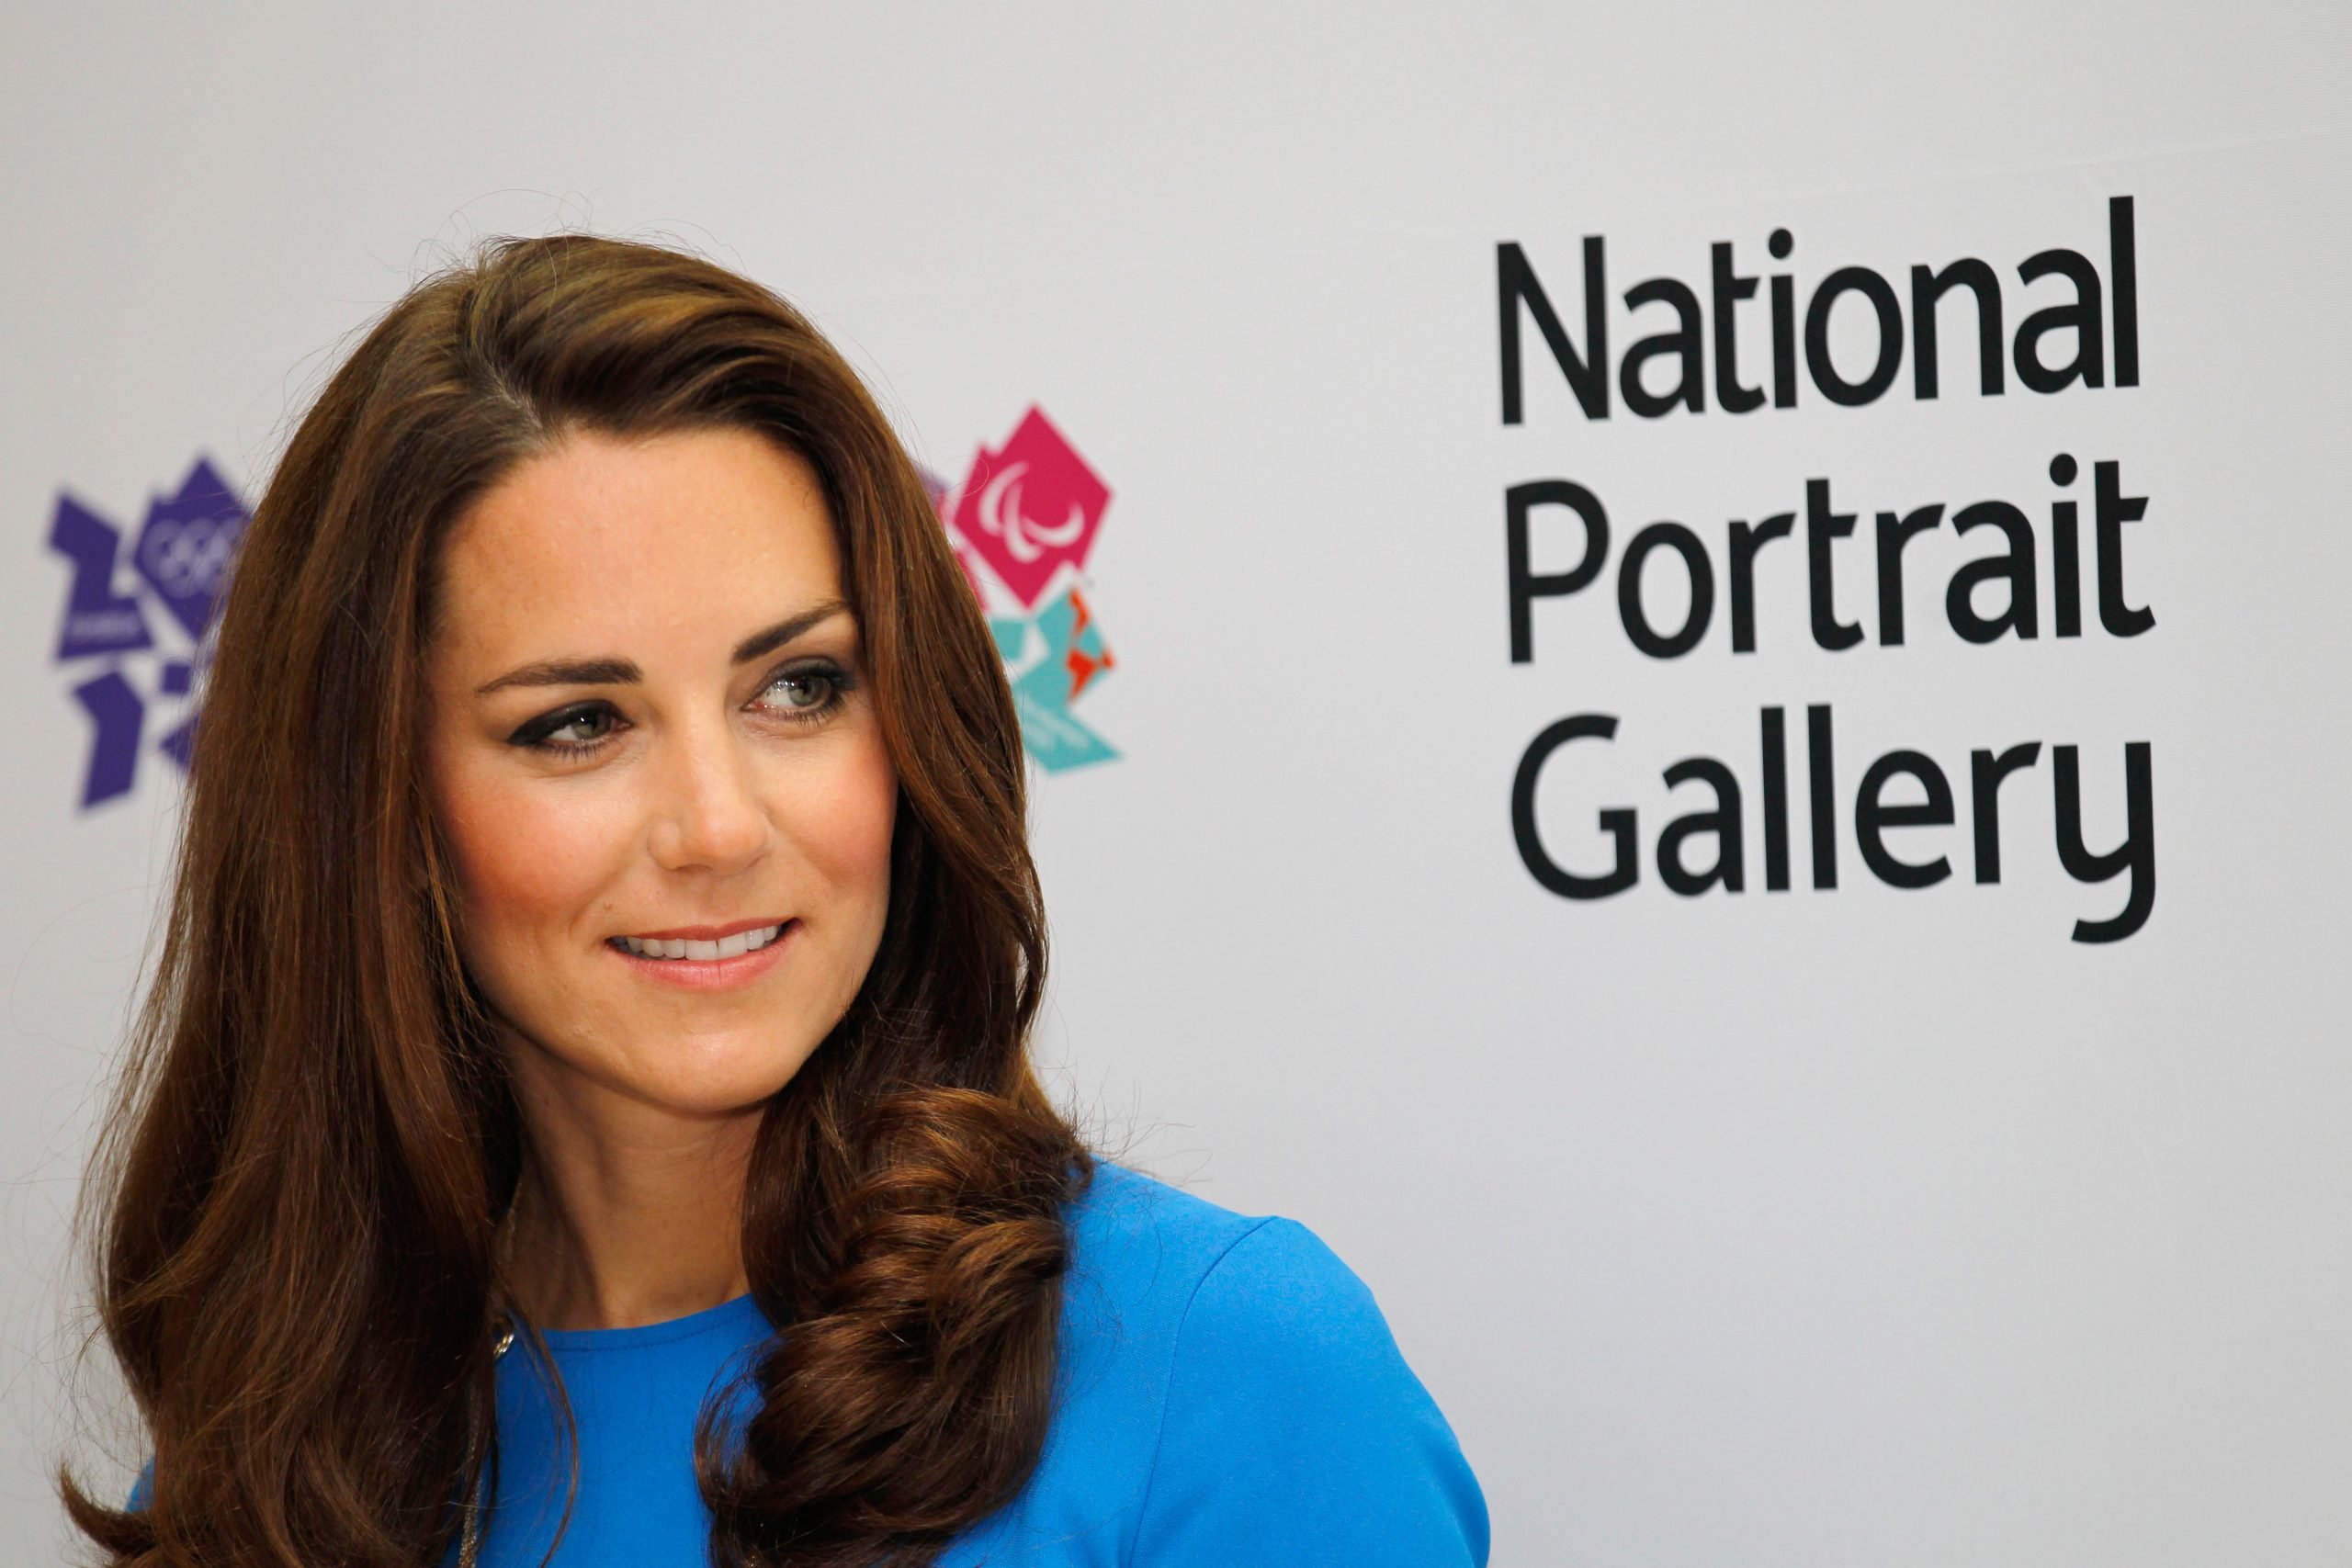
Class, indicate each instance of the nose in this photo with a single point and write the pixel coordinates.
(708, 815)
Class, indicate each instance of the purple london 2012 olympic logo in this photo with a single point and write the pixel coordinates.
(136, 638)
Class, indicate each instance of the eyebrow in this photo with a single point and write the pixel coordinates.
(622, 671)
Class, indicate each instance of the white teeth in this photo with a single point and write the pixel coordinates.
(733, 946)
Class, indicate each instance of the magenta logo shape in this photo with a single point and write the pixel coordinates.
(1031, 507)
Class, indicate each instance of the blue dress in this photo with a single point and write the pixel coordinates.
(1228, 1395)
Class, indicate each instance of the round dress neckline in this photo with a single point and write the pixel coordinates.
(738, 1310)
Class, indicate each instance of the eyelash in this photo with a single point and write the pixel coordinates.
(539, 733)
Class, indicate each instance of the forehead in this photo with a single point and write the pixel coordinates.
(683, 541)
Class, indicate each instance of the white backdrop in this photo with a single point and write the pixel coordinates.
(1863, 1227)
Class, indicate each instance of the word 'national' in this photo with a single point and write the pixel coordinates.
(2096, 328)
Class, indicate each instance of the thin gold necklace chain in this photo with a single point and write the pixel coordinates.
(502, 1269)
(503, 1252)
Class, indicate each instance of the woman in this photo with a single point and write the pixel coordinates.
(584, 1105)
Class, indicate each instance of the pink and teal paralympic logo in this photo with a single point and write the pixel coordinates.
(1023, 523)
(137, 618)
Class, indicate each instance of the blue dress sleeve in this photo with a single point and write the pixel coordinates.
(1294, 1431)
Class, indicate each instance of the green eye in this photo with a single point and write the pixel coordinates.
(804, 688)
(807, 692)
(575, 729)
(583, 728)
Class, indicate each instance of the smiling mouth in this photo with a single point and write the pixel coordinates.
(693, 950)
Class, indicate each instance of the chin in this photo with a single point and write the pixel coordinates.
(722, 1079)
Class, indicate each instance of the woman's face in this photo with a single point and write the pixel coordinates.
(656, 760)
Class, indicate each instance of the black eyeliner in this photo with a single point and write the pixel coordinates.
(534, 732)
(822, 664)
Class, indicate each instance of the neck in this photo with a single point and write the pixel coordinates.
(626, 1215)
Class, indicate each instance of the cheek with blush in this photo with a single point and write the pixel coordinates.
(532, 871)
(839, 828)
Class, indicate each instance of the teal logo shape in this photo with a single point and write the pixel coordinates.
(1051, 658)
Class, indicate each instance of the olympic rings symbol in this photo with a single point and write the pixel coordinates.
(187, 560)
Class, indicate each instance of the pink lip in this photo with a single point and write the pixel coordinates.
(709, 974)
(707, 934)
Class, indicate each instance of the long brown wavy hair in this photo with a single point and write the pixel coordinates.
(297, 1196)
